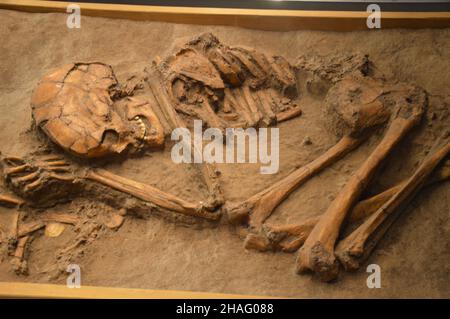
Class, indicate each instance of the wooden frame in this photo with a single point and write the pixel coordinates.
(28, 290)
(274, 20)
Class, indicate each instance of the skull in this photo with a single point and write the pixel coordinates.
(76, 108)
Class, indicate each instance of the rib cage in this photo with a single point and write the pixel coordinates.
(245, 88)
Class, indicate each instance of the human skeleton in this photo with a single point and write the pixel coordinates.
(83, 110)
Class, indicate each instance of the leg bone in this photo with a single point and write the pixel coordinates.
(289, 238)
(260, 206)
(358, 244)
(317, 253)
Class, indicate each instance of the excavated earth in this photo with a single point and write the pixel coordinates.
(157, 253)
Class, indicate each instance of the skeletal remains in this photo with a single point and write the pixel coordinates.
(83, 110)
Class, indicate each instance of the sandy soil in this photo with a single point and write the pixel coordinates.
(154, 253)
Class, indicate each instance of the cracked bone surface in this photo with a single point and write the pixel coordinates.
(44, 178)
(353, 249)
(80, 108)
(317, 253)
(229, 86)
(355, 102)
(291, 237)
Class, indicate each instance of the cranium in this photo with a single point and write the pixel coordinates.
(76, 107)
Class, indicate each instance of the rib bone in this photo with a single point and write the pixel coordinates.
(358, 245)
(317, 253)
(208, 170)
(10, 200)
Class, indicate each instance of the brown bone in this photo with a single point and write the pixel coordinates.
(358, 114)
(261, 205)
(208, 170)
(317, 253)
(76, 107)
(358, 245)
(64, 174)
(60, 218)
(150, 194)
(291, 237)
(19, 259)
(10, 200)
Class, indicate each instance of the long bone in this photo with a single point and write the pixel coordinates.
(208, 171)
(10, 200)
(19, 262)
(149, 194)
(317, 253)
(358, 114)
(291, 237)
(356, 247)
(260, 206)
(29, 178)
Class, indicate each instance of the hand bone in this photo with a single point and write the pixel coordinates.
(34, 176)
(28, 176)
